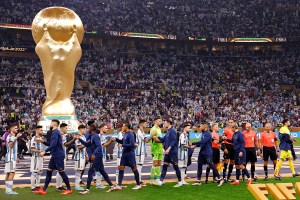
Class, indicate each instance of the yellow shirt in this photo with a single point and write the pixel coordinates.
(284, 130)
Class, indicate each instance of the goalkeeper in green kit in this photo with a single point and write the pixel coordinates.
(156, 151)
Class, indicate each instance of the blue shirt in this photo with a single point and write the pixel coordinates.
(285, 138)
(88, 149)
(55, 145)
(95, 144)
(170, 140)
(285, 141)
(127, 144)
(205, 144)
(238, 141)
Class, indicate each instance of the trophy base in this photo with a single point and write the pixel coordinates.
(71, 120)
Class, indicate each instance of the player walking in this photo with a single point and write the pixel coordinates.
(240, 154)
(103, 130)
(128, 157)
(170, 142)
(285, 149)
(96, 159)
(205, 154)
(57, 159)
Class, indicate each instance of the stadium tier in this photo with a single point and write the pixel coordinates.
(255, 83)
(182, 19)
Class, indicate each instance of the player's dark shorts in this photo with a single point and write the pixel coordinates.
(239, 160)
(216, 155)
(56, 163)
(205, 160)
(269, 152)
(171, 158)
(190, 155)
(97, 164)
(128, 160)
(251, 155)
(230, 154)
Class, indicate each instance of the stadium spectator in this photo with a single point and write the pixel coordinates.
(190, 18)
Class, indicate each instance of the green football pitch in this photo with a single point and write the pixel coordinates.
(205, 191)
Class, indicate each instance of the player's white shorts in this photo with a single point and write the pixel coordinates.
(36, 164)
(182, 163)
(80, 164)
(118, 161)
(104, 161)
(140, 159)
(10, 167)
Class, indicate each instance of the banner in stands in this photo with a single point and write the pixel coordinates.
(16, 26)
(250, 39)
(141, 35)
(15, 49)
(28, 27)
(197, 38)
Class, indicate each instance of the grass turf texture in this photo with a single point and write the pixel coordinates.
(205, 191)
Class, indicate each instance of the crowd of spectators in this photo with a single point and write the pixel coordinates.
(213, 87)
(189, 18)
(232, 72)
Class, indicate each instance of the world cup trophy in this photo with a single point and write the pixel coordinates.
(58, 32)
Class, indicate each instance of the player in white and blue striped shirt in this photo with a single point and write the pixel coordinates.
(183, 151)
(140, 150)
(119, 154)
(80, 157)
(11, 158)
(36, 160)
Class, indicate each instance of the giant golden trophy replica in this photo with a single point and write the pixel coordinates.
(58, 32)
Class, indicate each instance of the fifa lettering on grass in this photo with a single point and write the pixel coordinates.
(279, 191)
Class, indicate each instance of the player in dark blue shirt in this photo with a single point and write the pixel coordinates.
(240, 154)
(87, 135)
(205, 154)
(57, 159)
(170, 141)
(88, 149)
(96, 158)
(128, 156)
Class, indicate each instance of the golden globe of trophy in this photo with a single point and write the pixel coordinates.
(58, 32)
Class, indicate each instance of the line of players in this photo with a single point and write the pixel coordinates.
(239, 148)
